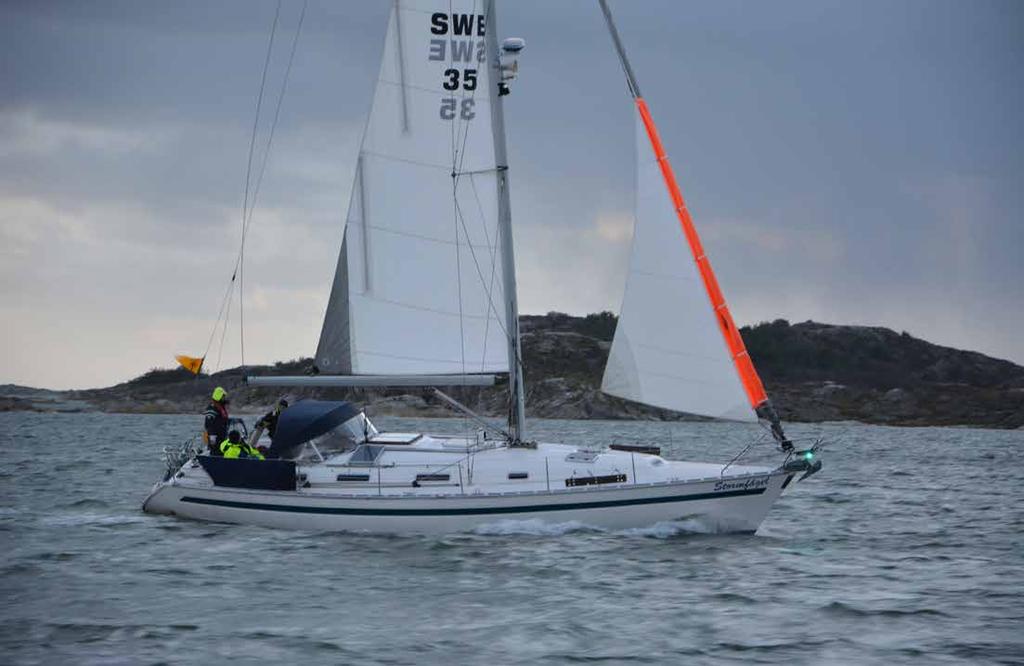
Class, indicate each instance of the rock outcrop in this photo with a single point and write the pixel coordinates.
(814, 372)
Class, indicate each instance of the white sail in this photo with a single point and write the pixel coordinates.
(668, 350)
(418, 287)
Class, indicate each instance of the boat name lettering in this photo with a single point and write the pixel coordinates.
(452, 51)
(743, 484)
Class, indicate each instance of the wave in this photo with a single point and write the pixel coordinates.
(87, 503)
(768, 647)
(91, 632)
(734, 597)
(90, 518)
(840, 608)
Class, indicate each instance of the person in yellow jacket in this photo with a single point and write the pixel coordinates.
(234, 447)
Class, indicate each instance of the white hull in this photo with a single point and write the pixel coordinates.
(729, 504)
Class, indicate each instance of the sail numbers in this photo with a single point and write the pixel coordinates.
(465, 105)
(462, 44)
(452, 79)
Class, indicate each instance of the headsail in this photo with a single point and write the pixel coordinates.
(668, 348)
(419, 284)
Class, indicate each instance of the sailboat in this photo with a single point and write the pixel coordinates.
(425, 295)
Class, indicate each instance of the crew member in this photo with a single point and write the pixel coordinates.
(269, 422)
(215, 426)
(235, 447)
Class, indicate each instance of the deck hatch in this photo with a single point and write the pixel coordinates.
(637, 448)
(395, 438)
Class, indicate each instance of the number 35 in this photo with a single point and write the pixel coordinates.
(452, 82)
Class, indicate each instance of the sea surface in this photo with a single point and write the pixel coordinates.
(906, 549)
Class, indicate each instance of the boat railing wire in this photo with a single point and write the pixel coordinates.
(814, 443)
(732, 461)
(176, 456)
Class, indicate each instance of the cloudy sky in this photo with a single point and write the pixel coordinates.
(849, 162)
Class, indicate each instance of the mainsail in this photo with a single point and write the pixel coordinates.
(419, 285)
(668, 347)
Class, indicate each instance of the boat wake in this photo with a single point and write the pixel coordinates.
(533, 527)
(673, 528)
(662, 530)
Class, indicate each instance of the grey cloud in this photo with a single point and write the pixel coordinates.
(845, 161)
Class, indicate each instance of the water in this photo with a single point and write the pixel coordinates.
(906, 549)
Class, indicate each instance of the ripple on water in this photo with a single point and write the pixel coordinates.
(91, 519)
(840, 608)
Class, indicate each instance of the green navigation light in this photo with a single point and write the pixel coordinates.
(808, 455)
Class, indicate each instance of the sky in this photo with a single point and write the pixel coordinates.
(852, 162)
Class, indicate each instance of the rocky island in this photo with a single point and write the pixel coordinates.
(813, 371)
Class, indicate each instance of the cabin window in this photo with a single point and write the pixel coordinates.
(518, 475)
(595, 480)
(433, 477)
(365, 455)
(353, 477)
(344, 437)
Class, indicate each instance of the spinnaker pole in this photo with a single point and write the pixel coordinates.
(749, 378)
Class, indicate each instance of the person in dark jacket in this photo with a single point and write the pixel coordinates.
(268, 422)
(215, 425)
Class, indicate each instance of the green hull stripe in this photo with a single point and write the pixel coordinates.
(468, 511)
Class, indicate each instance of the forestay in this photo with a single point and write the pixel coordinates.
(668, 350)
(418, 286)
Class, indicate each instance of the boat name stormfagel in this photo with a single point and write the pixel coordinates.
(745, 484)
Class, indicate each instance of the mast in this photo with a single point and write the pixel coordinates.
(517, 412)
(748, 376)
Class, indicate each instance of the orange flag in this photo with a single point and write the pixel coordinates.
(193, 365)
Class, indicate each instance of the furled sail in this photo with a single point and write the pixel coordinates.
(668, 349)
(418, 287)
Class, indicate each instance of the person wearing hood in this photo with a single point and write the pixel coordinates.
(215, 425)
(235, 447)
